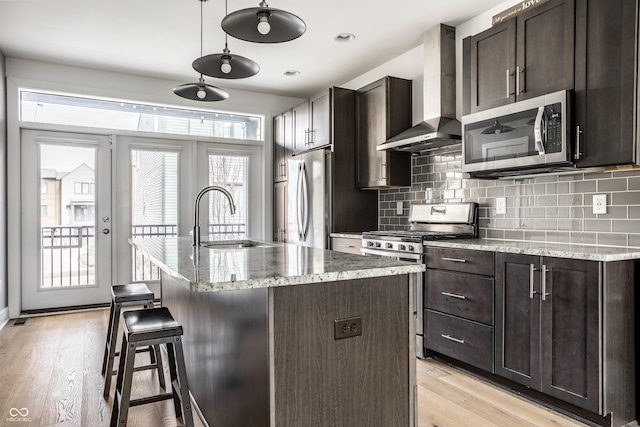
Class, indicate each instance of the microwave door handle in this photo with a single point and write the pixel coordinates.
(538, 130)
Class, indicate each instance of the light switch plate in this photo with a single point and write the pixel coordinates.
(501, 205)
(599, 203)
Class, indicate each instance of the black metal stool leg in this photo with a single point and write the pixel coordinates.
(123, 385)
(187, 414)
(108, 340)
(111, 344)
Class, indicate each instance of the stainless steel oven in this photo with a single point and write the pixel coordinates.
(530, 134)
(428, 222)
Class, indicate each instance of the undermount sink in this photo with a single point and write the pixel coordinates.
(235, 244)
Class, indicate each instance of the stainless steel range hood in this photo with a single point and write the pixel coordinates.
(440, 127)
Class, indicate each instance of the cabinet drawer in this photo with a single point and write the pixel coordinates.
(461, 339)
(462, 260)
(344, 244)
(462, 295)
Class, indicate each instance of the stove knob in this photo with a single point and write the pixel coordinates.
(378, 244)
(401, 247)
(411, 248)
(389, 245)
(370, 244)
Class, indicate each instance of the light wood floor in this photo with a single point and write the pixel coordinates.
(51, 366)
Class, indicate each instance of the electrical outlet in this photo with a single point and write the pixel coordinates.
(599, 203)
(501, 205)
(398, 208)
(347, 328)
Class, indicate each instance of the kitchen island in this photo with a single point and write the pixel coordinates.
(284, 335)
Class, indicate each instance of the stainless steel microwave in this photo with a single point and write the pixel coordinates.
(531, 135)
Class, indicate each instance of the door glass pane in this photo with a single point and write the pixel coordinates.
(230, 173)
(154, 202)
(67, 216)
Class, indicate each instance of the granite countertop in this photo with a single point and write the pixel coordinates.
(347, 234)
(554, 249)
(214, 270)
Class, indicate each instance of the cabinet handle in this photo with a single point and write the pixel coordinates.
(306, 137)
(518, 72)
(383, 170)
(532, 292)
(454, 259)
(312, 139)
(450, 338)
(578, 154)
(509, 74)
(448, 294)
(544, 282)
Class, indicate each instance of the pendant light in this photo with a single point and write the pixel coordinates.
(200, 91)
(225, 65)
(263, 24)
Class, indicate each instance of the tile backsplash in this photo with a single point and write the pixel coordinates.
(551, 208)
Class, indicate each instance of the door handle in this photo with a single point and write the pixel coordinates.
(298, 201)
(106, 231)
(305, 206)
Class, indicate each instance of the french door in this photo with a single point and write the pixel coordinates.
(66, 219)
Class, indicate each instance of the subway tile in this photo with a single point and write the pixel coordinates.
(634, 240)
(558, 236)
(547, 200)
(597, 225)
(598, 175)
(495, 192)
(584, 238)
(514, 234)
(505, 223)
(584, 187)
(570, 224)
(557, 212)
(536, 236)
(634, 212)
(611, 239)
(532, 212)
(627, 198)
(634, 183)
(539, 189)
(570, 200)
(561, 187)
(571, 177)
(618, 184)
(525, 223)
(615, 212)
(626, 226)
(494, 234)
(626, 173)
(545, 224)
(546, 178)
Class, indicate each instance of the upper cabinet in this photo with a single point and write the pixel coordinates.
(383, 110)
(312, 123)
(521, 58)
(606, 76)
(282, 144)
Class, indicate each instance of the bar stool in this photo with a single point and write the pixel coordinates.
(148, 328)
(133, 294)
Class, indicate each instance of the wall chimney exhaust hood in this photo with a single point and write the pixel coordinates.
(440, 127)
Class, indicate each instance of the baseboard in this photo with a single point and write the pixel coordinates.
(4, 317)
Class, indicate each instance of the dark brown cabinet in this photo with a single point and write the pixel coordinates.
(280, 212)
(524, 57)
(459, 305)
(282, 144)
(312, 123)
(383, 110)
(606, 77)
(548, 326)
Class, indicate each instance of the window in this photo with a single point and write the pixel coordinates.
(229, 172)
(43, 211)
(73, 110)
(43, 187)
(84, 188)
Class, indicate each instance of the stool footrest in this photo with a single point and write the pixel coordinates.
(150, 399)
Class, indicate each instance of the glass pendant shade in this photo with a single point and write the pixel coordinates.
(200, 92)
(263, 24)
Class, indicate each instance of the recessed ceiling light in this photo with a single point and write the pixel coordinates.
(344, 37)
(291, 73)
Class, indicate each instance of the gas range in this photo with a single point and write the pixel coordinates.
(428, 222)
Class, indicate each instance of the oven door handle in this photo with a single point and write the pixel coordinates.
(539, 131)
(399, 255)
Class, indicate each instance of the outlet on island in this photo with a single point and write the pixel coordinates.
(347, 328)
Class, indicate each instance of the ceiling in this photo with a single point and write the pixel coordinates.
(161, 38)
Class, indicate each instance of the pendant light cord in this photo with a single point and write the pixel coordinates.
(201, 36)
(226, 12)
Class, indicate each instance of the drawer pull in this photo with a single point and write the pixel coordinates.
(454, 259)
(449, 337)
(448, 294)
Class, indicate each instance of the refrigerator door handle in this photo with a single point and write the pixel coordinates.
(305, 205)
(298, 201)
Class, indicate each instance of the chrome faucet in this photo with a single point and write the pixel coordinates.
(196, 224)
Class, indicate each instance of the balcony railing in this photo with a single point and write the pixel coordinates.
(68, 252)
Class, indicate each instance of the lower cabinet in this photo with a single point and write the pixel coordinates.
(547, 326)
(459, 305)
(562, 328)
(346, 244)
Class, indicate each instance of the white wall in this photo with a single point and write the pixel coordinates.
(4, 310)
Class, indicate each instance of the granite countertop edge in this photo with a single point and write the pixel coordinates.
(558, 250)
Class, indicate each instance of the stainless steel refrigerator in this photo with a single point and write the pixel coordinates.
(309, 199)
